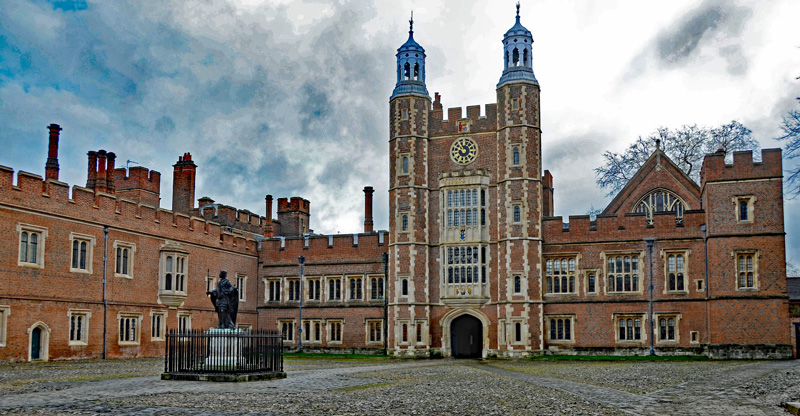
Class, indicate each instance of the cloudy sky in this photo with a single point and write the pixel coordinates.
(291, 98)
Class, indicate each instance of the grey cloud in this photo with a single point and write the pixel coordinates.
(712, 28)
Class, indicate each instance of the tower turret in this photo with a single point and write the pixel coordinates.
(410, 66)
(517, 48)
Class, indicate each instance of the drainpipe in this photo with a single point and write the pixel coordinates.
(385, 301)
(708, 306)
(649, 242)
(105, 299)
(301, 260)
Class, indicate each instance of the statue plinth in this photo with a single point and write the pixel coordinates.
(225, 348)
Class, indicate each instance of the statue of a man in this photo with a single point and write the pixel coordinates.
(226, 301)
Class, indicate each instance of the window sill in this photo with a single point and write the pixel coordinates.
(624, 293)
(124, 276)
(747, 289)
(562, 294)
(31, 265)
(78, 343)
(128, 344)
(676, 292)
(81, 271)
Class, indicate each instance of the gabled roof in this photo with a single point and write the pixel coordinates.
(659, 171)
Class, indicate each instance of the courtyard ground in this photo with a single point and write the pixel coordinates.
(382, 386)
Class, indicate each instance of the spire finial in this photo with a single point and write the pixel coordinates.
(658, 143)
(517, 10)
(411, 23)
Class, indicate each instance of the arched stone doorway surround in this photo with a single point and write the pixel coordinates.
(43, 341)
(447, 321)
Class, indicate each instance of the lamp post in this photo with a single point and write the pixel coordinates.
(649, 242)
(385, 301)
(301, 260)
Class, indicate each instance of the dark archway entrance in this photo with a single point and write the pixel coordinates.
(36, 343)
(466, 337)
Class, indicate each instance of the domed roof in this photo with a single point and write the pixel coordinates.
(518, 29)
(411, 45)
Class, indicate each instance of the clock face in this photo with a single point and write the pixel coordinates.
(464, 151)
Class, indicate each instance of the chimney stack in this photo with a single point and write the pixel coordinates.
(183, 180)
(100, 182)
(51, 166)
(368, 191)
(268, 226)
(91, 178)
(110, 161)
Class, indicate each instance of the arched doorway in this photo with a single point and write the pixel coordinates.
(466, 337)
(38, 342)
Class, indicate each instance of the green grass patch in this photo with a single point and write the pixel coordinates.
(621, 357)
(364, 387)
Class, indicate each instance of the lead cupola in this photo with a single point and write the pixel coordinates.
(517, 49)
(410, 66)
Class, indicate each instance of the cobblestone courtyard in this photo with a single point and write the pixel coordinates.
(410, 387)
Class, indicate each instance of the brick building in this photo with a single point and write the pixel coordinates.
(481, 266)
(477, 263)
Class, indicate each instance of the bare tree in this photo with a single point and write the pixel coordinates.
(686, 146)
(791, 135)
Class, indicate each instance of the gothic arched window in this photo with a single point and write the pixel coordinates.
(525, 56)
(407, 71)
(515, 57)
(661, 201)
(416, 71)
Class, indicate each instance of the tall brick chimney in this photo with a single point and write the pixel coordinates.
(183, 178)
(51, 166)
(368, 191)
(268, 232)
(91, 177)
(110, 161)
(547, 194)
(100, 181)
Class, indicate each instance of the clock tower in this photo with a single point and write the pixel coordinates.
(465, 212)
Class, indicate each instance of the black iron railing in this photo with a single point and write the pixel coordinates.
(223, 352)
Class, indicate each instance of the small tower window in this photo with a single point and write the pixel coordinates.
(416, 71)
(516, 155)
(405, 223)
(407, 71)
(506, 59)
(743, 210)
(516, 213)
(515, 57)
(405, 164)
(525, 56)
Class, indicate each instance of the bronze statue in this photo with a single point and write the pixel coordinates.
(226, 301)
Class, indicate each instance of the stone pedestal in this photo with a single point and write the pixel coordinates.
(225, 349)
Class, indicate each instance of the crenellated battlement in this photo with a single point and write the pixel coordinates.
(715, 169)
(326, 248)
(231, 217)
(32, 192)
(456, 123)
(138, 177)
(631, 226)
(296, 204)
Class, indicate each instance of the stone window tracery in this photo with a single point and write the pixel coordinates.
(661, 201)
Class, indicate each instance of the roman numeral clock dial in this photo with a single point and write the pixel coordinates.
(463, 151)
